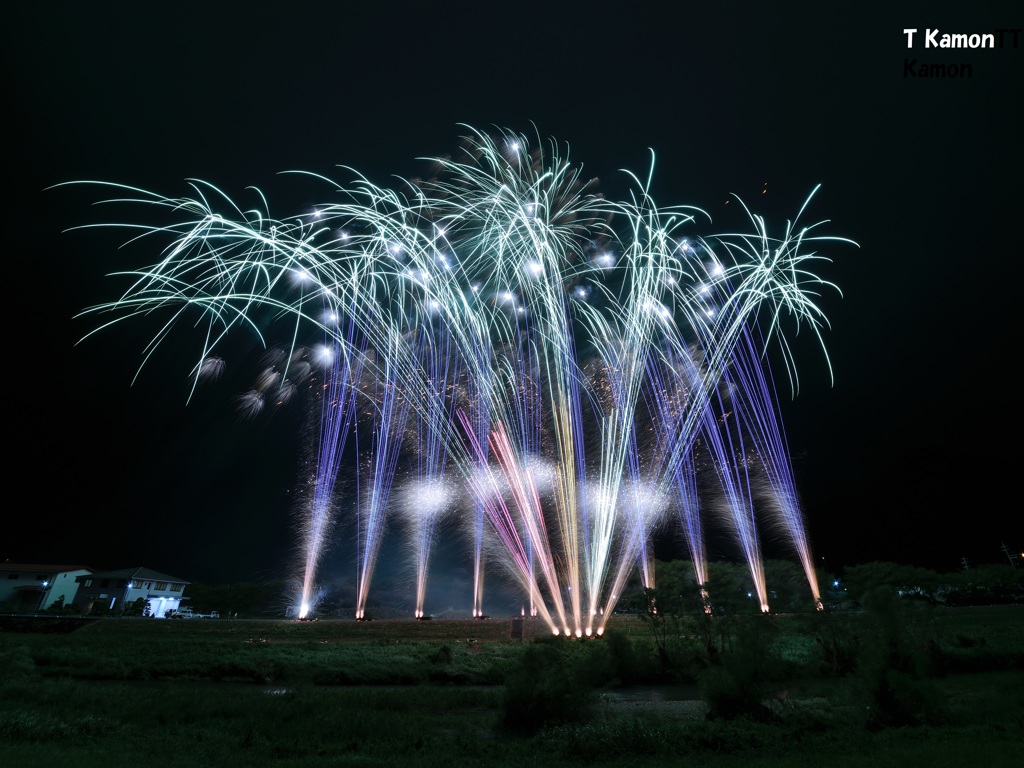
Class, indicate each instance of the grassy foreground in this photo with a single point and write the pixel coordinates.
(942, 689)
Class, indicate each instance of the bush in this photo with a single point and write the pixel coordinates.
(737, 684)
(837, 638)
(893, 667)
(548, 687)
(624, 664)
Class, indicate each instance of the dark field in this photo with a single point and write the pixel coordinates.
(905, 686)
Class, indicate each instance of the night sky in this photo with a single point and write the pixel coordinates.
(909, 456)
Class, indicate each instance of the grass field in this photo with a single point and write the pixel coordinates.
(936, 688)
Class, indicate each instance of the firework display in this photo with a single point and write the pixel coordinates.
(565, 374)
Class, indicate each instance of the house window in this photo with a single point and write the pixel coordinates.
(161, 585)
(105, 583)
(177, 587)
(87, 583)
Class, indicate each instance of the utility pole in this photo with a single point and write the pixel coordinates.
(1011, 558)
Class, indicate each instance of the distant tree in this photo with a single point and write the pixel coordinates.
(985, 585)
(788, 590)
(906, 580)
(136, 608)
(677, 590)
(247, 599)
(57, 606)
(730, 588)
(835, 594)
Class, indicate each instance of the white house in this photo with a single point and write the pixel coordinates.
(35, 587)
(113, 590)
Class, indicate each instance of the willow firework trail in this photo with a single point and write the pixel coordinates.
(429, 497)
(758, 409)
(338, 408)
(534, 278)
(388, 409)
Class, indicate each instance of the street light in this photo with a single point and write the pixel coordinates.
(42, 596)
(124, 600)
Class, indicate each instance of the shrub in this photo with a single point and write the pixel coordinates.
(893, 667)
(837, 638)
(547, 688)
(737, 684)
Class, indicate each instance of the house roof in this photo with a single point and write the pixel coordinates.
(137, 573)
(42, 567)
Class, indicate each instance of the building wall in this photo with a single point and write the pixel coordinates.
(11, 580)
(46, 586)
(63, 585)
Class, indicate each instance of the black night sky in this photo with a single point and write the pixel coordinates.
(909, 456)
